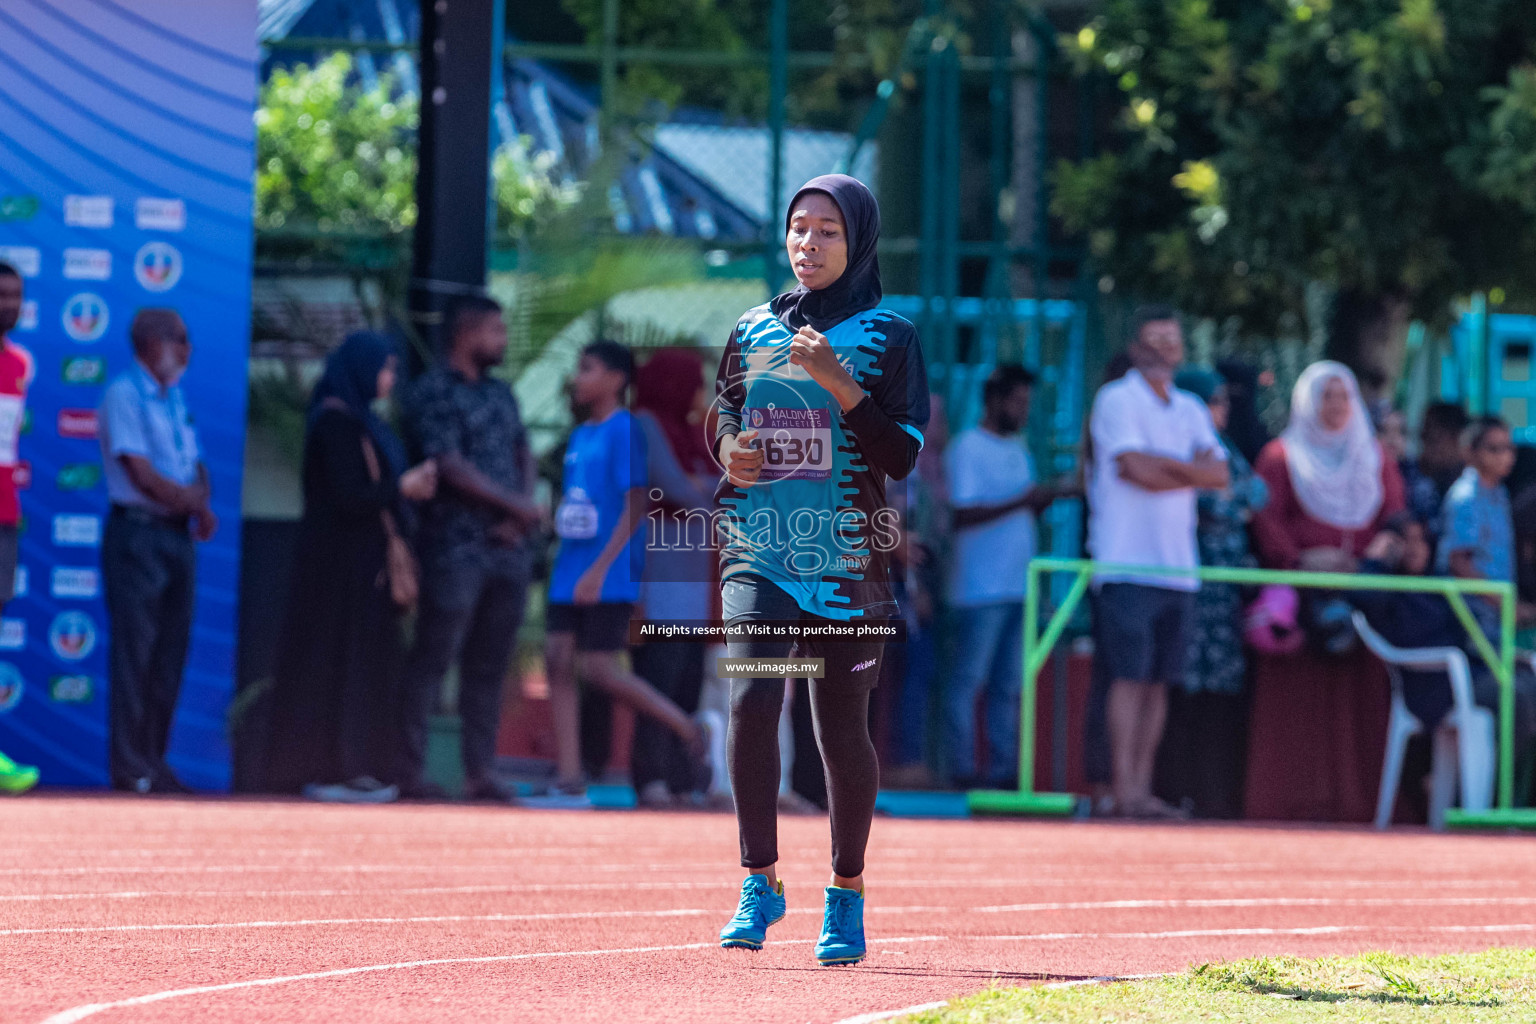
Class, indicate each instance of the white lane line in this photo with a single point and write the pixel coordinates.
(542, 887)
(876, 909)
(879, 1015)
(315, 922)
(1332, 929)
(79, 1013)
(1266, 901)
(531, 887)
(301, 868)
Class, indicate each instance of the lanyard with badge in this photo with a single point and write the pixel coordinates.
(176, 414)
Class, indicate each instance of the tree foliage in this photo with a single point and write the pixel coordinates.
(866, 38)
(1385, 149)
(337, 160)
(332, 155)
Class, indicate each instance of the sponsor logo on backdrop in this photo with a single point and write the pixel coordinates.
(88, 211)
(72, 635)
(18, 208)
(85, 316)
(160, 214)
(84, 370)
(72, 531)
(27, 259)
(78, 424)
(78, 476)
(26, 421)
(74, 581)
(13, 634)
(158, 266)
(71, 689)
(21, 475)
(87, 264)
(28, 319)
(11, 686)
(22, 582)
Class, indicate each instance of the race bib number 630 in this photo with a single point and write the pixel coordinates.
(796, 442)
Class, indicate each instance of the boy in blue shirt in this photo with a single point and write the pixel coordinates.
(1477, 539)
(596, 577)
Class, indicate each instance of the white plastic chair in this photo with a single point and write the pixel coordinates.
(1464, 744)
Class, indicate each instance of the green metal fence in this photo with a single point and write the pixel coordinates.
(1038, 646)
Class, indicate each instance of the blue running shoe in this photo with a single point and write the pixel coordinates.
(842, 930)
(761, 905)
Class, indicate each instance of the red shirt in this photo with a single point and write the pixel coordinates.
(16, 372)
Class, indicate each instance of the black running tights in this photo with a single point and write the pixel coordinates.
(840, 709)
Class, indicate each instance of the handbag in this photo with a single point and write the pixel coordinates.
(400, 568)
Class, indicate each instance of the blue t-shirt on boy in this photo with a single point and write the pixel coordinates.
(603, 461)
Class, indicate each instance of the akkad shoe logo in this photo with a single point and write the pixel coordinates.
(72, 635)
(21, 475)
(78, 424)
(11, 686)
(86, 316)
(158, 266)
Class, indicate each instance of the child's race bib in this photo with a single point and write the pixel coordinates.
(576, 518)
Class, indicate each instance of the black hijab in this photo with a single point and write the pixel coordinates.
(859, 287)
(1245, 429)
(351, 377)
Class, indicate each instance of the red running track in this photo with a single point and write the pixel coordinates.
(155, 910)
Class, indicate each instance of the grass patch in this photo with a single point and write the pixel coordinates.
(1491, 987)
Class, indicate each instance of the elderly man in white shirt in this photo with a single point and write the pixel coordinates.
(1153, 448)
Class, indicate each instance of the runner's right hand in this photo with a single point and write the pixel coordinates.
(743, 463)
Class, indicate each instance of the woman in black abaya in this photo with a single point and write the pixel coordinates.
(334, 697)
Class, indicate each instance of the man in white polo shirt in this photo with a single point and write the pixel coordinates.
(1154, 447)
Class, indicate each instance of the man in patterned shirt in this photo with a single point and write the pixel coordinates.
(475, 556)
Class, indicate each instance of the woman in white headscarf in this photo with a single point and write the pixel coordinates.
(1316, 724)
(1331, 488)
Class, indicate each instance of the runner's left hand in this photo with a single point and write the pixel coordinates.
(589, 586)
(811, 350)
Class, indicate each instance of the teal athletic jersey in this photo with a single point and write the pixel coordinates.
(817, 522)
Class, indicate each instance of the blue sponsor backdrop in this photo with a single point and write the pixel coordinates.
(126, 147)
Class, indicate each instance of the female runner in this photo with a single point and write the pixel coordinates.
(822, 395)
